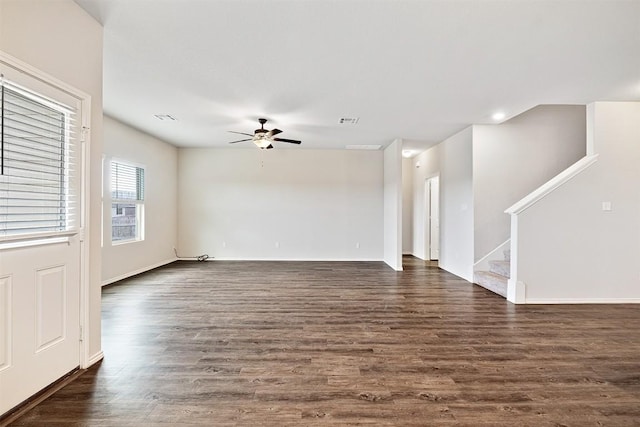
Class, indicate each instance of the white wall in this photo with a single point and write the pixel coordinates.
(484, 170)
(407, 206)
(451, 160)
(425, 165)
(569, 249)
(60, 39)
(313, 204)
(456, 205)
(393, 205)
(160, 161)
(514, 158)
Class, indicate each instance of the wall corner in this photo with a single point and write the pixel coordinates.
(516, 292)
(591, 145)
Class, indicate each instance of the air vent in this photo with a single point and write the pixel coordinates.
(363, 147)
(165, 117)
(349, 120)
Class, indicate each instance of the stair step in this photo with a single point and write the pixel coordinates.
(502, 268)
(494, 282)
(507, 254)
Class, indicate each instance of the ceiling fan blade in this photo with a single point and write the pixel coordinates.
(290, 141)
(273, 132)
(241, 140)
(269, 147)
(240, 133)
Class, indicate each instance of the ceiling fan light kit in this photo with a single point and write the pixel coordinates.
(264, 138)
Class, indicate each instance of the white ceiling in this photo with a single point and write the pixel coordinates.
(416, 70)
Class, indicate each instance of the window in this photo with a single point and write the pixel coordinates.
(37, 164)
(127, 202)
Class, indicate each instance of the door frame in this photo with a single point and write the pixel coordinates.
(85, 261)
(427, 214)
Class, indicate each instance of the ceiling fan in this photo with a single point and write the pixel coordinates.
(263, 138)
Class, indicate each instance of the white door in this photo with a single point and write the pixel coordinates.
(41, 220)
(434, 218)
(39, 306)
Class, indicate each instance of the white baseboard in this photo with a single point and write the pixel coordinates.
(584, 301)
(291, 259)
(95, 359)
(138, 271)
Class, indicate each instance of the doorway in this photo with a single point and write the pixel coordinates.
(432, 218)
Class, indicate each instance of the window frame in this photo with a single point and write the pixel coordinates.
(138, 203)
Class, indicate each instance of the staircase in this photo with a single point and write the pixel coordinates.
(497, 277)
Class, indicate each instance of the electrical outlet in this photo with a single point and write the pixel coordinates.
(224, 244)
(277, 245)
(358, 245)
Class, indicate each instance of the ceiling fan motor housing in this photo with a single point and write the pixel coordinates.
(262, 129)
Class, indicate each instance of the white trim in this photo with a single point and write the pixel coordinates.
(138, 271)
(584, 301)
(124, 161)
(495, 255)
(38, 236)
(555, 182)
(44, 240)
(24, 68)
(94, 359)
(516, 292)
(125, 242)
(290, 259)
(85, 235)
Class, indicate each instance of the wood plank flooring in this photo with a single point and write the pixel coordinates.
(324, 343)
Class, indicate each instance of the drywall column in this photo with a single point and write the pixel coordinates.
(393, 205)
(407, 206)
(456, 204)
(451, 160)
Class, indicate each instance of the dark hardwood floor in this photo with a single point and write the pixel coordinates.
(346, 343)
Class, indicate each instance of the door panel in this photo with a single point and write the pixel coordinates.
(51, 309)
(41, 329)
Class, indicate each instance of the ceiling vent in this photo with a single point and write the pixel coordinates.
(349, 120)
(363, 147)
(165, 117)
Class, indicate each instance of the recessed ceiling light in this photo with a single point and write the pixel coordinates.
(407, 153)
(498, 116)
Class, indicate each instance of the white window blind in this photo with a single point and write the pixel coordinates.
(127, 181)
(37, 164)
(127, 202)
